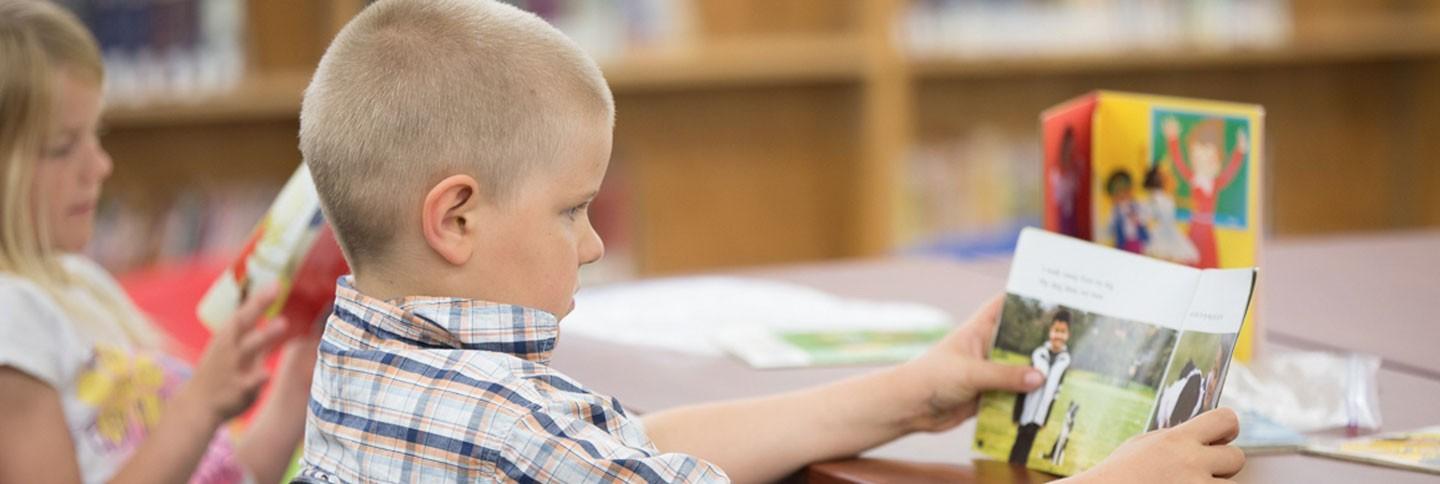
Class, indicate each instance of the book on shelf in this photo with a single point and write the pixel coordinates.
(969, 195)
(166, 49)
(610, 30)
(977, 29)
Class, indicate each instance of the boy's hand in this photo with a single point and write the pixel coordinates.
(1242, 142)
(1171, 128)
(1195, 451)
(951, 376)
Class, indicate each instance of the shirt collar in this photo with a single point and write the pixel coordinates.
(446, 322)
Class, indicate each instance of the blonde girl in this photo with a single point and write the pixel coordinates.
(85, 395)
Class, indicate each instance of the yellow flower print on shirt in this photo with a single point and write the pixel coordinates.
(127, 391)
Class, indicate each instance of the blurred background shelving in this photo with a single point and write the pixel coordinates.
(753, 132)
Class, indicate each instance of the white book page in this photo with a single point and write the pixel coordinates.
(1091, 278)
(1220, 301)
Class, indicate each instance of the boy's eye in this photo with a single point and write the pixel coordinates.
(575, 211)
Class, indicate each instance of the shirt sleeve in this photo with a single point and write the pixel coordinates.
(32, 337)
(560, 448)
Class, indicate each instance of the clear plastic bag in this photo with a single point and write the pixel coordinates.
(1309, 391)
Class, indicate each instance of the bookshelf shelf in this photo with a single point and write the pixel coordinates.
(257, 98)
(737, 63)
(745, 62)
(1399, 46)
(798, 60)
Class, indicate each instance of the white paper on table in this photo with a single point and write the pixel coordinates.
(690, 314)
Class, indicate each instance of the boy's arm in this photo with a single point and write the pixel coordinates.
(764, 439)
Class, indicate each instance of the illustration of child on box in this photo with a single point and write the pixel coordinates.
(1199, 163)
(1127, 225)
(1065, 183)
(1166, 240)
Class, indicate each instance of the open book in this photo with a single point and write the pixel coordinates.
(1127, 343)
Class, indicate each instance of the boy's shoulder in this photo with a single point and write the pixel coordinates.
(464, 379)
(468, 408)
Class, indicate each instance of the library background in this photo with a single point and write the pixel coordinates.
(756, 132)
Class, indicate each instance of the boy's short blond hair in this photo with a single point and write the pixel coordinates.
(413, 91)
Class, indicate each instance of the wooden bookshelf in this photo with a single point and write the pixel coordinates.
(754, 63)
(724, 64)
(804, 60)
(780, 133)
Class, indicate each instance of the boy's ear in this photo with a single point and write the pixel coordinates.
(449, 218)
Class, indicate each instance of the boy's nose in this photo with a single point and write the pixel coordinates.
(592, 248)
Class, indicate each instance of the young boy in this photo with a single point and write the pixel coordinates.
(1032, 409)
(456, 145)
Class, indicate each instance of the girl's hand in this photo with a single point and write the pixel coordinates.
(232, 370)
(277, 428)
(297, 360)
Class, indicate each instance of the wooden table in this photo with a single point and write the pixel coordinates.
(1378, 294)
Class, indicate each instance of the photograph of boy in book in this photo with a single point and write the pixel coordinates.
(1102, 375)
(1065, 183)
(1192, 384)
(1166, 240)
(1201, 160)
(1127, 225)
(1032, 409)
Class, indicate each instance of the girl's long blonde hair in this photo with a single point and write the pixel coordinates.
(37, 40)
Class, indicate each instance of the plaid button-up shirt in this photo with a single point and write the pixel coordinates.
(441, 389)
